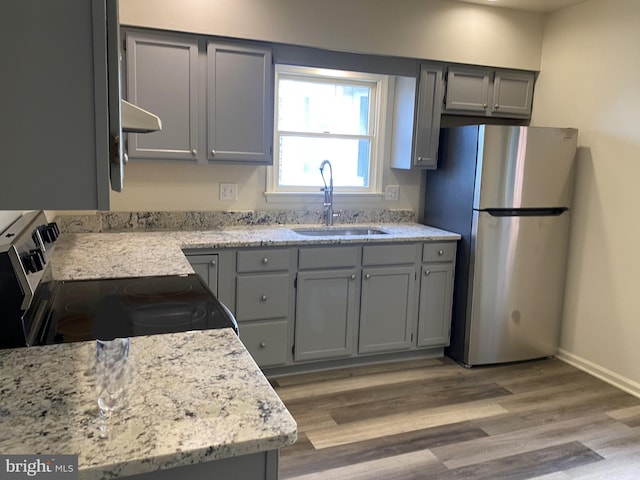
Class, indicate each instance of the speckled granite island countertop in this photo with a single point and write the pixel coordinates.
(81, 256)
(194, 397)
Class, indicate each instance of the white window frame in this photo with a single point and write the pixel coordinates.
(378, 124)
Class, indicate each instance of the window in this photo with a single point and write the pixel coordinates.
(330, 115)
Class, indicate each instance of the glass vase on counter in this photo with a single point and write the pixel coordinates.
(112, 374)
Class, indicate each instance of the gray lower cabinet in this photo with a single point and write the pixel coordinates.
(436, 294)
(162, 77)
(207, 267)
(488, 92)
(325, 314)
(336, 302)
(262, 305)
(386, 309)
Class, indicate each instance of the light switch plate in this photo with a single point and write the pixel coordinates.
(392, 192)
(228, 191)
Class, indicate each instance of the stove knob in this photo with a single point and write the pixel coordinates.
(39, 253)
(49, 232)
(31, 263)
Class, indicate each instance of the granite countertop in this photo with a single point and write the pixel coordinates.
(193, 397)
(80, 256)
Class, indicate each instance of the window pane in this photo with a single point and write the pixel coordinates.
(300, 159)
(320, 107)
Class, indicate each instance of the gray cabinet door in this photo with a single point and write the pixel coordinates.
(162, 77)
(239, 104)
(325, 314)
(434, 315)
(54, 112)
(207, 267)
(386, 309)
(467, 89)
(428, 112)
(512, 94)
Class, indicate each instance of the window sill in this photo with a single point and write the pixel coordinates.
(316, 199)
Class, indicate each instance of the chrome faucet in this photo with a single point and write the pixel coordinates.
(328, 192)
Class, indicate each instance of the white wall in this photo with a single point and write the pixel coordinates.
(590, 79)
(429, 29)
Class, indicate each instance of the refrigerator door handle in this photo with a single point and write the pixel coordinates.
(525, 212)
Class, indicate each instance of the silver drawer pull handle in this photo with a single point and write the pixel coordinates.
(263, 298)
(263, 345)
(213, 153)
(194, 152)
(440, 252)
(265, 260)
(427, 272)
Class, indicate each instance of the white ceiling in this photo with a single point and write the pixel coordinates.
(541, 6)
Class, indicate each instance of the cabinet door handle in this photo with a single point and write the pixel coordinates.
(265, 260)
(263, 298)
(368, 275)
(440, 252)
(496, 106)
(427, 272)
(213, 153)
(263, 345)
(419, 159)
(194, 152)
(484, 105)
(353, 276)
(213, 262)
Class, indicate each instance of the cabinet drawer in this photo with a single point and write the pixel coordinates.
(388, 254)
(439, 252)
(268, 260)
(262, 296)
(266, 341)
(328, 257)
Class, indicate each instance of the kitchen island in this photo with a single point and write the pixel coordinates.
(197, 406)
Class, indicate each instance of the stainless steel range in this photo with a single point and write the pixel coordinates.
(37, 310)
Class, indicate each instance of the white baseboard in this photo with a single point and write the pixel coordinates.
(602, 373)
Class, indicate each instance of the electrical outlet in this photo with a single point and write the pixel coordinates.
(228, 191)
(392, 192)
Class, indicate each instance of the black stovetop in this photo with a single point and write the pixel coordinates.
(126, 307)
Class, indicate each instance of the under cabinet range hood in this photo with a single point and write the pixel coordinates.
(138, 120)
(123, 116)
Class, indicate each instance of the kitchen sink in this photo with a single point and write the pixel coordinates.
(331, 231)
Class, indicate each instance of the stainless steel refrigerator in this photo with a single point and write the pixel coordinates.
(507, 190)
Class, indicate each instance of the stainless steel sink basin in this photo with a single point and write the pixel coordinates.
(331, 231)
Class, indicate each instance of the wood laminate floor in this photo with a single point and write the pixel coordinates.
(432, 419)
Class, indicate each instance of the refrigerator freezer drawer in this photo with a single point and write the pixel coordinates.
(518, 275)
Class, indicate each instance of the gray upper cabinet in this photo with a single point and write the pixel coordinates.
(239, 104)
(162, 77)
(512, 94)
(489, 92)
(428, 112)
(54, 114)
(468, 90)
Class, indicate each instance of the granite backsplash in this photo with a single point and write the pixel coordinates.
(215, 220)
